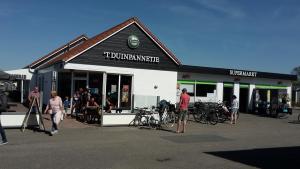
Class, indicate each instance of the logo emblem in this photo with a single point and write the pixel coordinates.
(133, 41)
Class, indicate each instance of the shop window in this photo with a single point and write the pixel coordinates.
(125, 95)
(112, 88)
(95, 86)
(202, 90)
(189, 87)
(80, 74)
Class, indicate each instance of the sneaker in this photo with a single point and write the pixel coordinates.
(54, 132)
(3, 143)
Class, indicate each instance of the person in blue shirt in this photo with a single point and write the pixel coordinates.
(66, 105)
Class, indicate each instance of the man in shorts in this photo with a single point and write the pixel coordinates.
(183, 110)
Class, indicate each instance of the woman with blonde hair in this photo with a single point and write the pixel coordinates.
(55, 108)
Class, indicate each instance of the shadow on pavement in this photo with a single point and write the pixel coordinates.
(282, 157)
(38, 130)
(294, 122)
(196, 138)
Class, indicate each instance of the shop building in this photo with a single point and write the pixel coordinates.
(219, 85)
(130, 66)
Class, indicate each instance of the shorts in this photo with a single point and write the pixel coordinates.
(182, 115)
(234, 111)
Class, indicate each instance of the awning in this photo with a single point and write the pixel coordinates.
(196, 82)
(270, 87)
(228, 84)
(244, 86)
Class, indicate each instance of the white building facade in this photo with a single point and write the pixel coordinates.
(130, 67)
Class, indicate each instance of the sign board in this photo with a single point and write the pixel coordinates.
(242, 73)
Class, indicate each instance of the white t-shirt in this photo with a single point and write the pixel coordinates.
(235, 104)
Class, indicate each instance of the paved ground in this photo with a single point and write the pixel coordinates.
(255, 142)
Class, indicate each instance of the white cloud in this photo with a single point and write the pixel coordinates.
(181, 9)
(222, 6)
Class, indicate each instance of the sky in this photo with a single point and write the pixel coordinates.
(238, 34)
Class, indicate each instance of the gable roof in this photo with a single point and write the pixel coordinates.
(105, 35)
(56, 52)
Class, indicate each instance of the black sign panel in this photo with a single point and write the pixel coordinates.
(115, 51)
(231, 72)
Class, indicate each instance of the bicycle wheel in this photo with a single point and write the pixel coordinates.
(169, 121)
(213, 118)
(197, 115)
(222, 117)
(203, 117)
(135, 122)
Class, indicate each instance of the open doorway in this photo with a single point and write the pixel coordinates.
(227, 94)
(244, 99)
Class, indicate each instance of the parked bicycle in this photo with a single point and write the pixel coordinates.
(155, 117)
(141, 117)
(205, 113)
(166, 114)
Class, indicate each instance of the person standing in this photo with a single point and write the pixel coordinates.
(3, 135)
(66, 107)
(234, 109)
(183, 108)
(55, 109)
(3, 106)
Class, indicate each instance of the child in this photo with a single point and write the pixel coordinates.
(66, 106)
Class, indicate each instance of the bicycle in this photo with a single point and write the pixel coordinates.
(205, 113)
(140, 118)
(167, 116)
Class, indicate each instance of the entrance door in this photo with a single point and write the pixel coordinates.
(79, 84)
(227, 95)
(244, 97)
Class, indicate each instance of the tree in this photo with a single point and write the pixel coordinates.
(296, 71)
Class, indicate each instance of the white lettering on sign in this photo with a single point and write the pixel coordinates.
(242, 73)
(130, 57)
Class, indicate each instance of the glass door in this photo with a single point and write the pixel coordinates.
(79, 84)
(119, 91)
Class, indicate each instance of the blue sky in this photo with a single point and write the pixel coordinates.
(242, 34)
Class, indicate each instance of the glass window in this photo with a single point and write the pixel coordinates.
(125, 95)
(80, 74)
(112, 88)
(189, 87)
(95, 86)
(203, 89)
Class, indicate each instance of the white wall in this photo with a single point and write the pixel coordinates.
(144, 80)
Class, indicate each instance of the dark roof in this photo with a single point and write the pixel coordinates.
(64, 48)
(224, 71)
(102, 36)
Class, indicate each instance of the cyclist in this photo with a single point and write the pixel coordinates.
(183, 109)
